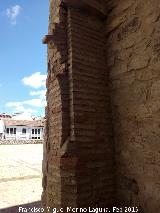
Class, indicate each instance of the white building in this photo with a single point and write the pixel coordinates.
(23, 129)
(1, 129)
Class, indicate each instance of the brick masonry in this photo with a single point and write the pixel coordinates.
(102, 129)
(12, 142)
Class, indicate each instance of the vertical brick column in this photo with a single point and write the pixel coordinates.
(78, 165)
(90, 116)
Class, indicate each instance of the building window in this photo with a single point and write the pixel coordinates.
(23, 131)
(36, 133)
(11, 131)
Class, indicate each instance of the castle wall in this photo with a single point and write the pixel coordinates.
(78, 163)
(132, 30)
(102, 129)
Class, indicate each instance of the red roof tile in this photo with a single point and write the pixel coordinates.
(34, 123)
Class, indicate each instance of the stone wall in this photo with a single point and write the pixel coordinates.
(102, 129)
(16, 142)
(133, 50)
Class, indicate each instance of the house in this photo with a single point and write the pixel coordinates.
(11, 128)
(1, 129)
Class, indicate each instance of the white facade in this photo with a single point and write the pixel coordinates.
(23, 133)
(21, 127)
(1, 129)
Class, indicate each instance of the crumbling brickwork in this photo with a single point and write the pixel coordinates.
(79, 159)
(57, 129)
(102, 129)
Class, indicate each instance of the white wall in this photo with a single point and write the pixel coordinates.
(1, 126)
(21, 136)
(1, 129)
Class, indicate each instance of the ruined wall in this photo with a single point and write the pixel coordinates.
(133, 57)
(78, 163)
(103, 104)
(57, 110)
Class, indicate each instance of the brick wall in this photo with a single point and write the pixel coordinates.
(103, 105)
(78, 155)
(57, 110)
(90, 119)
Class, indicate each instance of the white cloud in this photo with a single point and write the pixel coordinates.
(28, 107)
(37, 102)
(23, 116)
(41, 93)
(33, 105)
(12, 13)
(36, 80)
(19, 107)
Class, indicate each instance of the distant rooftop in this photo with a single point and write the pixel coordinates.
(33, 123)
(20, 116)
(5, 116)
(20, 119)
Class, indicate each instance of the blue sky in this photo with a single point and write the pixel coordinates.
(23, 57)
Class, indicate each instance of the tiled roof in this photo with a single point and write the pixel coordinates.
(34, 123)
(4, 116)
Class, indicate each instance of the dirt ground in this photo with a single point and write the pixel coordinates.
(20, 174)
